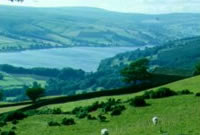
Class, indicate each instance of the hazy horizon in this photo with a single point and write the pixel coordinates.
(127, 6)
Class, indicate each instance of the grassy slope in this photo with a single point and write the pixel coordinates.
(56, 27)
(11, 81)
(178, 114)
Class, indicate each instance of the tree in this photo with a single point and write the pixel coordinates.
(1, 95)
(1, 76)
(136, 71)
(35, 93)
(197, 69)
(16, 0)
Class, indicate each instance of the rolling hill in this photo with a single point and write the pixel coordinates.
(179, 55)
(177, 115)
(35, 28)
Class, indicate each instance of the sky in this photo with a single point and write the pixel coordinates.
(130, 6)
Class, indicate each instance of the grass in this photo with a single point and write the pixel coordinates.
(178, 115)
(193, 84)
(11, 81)
(7, 109)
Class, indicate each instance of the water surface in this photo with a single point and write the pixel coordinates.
(86, 58)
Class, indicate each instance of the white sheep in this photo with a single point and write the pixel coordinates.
(155, 120)
(104, 131)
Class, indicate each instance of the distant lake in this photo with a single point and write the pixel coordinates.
(85, 58)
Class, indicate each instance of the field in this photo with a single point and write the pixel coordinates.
(12, 81)
(179, 115)
(66, 27)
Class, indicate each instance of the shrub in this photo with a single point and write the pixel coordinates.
(108, 106)
(32, 112)
(76, 110)
(53, 123)
(148, 94)
(16, 115)
(185, 92)
(8, 133)
(117, 110)
(90, 117)
(163, 92)
(2, 123)
(197, 94)
(14, 128)
(56, 111)
(68, 121)
(81, 114)
(93, 107)
(102, 118)
(138, 101)
(14, 122)
(50, 111)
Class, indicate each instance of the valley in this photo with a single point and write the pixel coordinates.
(173, 112)
(66, 27)
(86, 70)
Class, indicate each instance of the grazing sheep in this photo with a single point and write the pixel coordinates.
(155, 120)
(104, 131)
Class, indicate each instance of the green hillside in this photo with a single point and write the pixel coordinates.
(65, 27)
(193, 84)
(177, 115)
(174, 57)
(14, 85)
(12, 81)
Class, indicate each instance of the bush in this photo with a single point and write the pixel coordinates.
(68, 121)
(90, 117)
(163, 92)
(138, 101)
(14, 128)
(77, 110)
(148, 94)
(1, 76)
(102, 118)
(56, 111)
(108, 106)
(197, 94)
(14, 122)
(185, 92)
(93, 107)
(32, 112)
(117, 110)
(11, 116)
(53, 123)
(8, 133)
(50, 111)
(81, 114)
(2, 123)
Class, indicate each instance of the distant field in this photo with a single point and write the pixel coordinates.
(66, 27)
(7, 109)
(178, 115)
(11, 81)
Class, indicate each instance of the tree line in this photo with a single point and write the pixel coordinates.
(136, 73)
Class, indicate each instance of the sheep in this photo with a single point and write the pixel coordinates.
(104, 131)
(155, 120)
